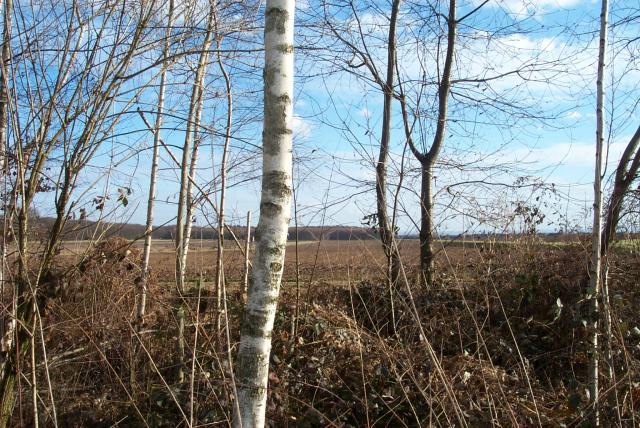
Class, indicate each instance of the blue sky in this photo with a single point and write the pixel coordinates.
(337, 125)
(560, 149)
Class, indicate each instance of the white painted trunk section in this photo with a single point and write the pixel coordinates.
(275, 211)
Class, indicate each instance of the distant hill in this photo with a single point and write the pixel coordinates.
(85, 229)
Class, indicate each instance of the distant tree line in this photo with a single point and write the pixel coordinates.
(84, 229)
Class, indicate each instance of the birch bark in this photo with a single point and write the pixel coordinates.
(184, 219)
(193, 122)
(596, 242)
(144, 279)
(271, 235)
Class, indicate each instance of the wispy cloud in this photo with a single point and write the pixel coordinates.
(523, 8)
(301, 127)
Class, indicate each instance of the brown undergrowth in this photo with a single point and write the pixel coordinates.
(499, 340)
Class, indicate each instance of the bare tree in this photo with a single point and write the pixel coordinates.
(385, 82)
(626, 173)
(252, 368)
(387, 234)
(427, 159)
(189, 153)
(184, 219)
(144, 276)
(593, 291)
(60, 118)
(7, 325)
(220, 281)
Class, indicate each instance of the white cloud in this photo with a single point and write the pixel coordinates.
(523, 8)
(565, 155)
(301, 128)
(365, 112)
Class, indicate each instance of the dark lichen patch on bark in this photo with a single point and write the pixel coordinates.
(277, 132)
(277, 251)
(276, 19)
(249, 364)
(275, 108)
(253, 324)
(268, 74)
(277, 183)
(284, 98)
(269, 209)
(275, 121)
(272, 138)
(270, 300)
(276, 267)
(285, 48)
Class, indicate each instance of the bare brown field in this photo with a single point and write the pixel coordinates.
(328, 260)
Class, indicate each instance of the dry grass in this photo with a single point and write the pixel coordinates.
(487, 346)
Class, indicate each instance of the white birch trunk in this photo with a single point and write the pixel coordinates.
(596, 241)
(142, 298)
(275, 206)
(193, 122)
(187, 177)
(220, 282)
(247, 249)
(190, 202)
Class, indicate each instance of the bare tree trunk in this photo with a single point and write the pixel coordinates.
(626, 173)
(220, 281)
(142, 299)
(191, 205)
(426, 225)
(247, 248)
(7, 321)
(428, 159)
(193, 118)
(187, 176)
(23, 311)
(296, 315)
(387, 235)
(4, 82)
(30, 157)
(596, 257)
(34, 378)
(255, 343)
